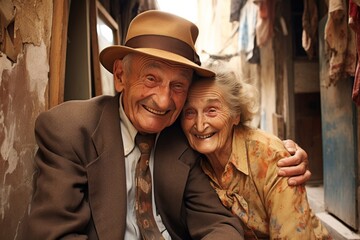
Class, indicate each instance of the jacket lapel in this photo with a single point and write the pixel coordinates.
(170, 176)
(106, 175)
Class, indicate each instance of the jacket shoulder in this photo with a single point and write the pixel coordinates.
(74, 112)
(172, 142)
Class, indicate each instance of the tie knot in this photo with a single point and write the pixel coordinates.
(145, 142)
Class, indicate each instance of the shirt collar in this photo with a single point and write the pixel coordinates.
(238, 157)
(128, 131)
(239, 152)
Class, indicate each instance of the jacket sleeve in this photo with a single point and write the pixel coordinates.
(59, 208)
(188, 205)
(207, 218)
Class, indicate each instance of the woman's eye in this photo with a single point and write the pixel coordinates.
(189, 113)
(212, 111)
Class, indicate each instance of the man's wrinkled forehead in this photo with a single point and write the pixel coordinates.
(161, 64)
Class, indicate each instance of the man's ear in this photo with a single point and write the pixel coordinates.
(118, 74)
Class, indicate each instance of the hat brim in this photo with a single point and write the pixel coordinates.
(110, 54)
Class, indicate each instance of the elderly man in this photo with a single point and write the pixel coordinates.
(96, 180)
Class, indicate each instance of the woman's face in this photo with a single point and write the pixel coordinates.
(206, 119)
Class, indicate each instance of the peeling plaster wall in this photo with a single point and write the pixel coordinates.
(23, 95)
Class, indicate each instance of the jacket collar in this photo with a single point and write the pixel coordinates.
(106, 175)
(171, 170)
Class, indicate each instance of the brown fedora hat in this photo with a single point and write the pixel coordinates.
(161, 35)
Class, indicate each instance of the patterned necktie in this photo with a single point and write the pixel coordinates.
(143, 205)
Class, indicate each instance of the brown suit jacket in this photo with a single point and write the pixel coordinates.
(80, 190)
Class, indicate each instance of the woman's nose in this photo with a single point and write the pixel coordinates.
(199, 125)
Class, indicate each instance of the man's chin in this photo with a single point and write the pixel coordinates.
(153, 129)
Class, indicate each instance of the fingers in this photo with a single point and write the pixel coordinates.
(297, 175)
(295, 167)
(301, 179)
(291, 161)
(299, 156)
(290, 145)
(293, 171)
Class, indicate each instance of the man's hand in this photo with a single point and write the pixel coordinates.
(296, 166)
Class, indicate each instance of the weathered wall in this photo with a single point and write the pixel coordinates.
(25, 38)
(268, 91)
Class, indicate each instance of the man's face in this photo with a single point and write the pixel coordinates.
(154, 91)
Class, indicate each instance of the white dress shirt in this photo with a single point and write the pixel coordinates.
(132, 155)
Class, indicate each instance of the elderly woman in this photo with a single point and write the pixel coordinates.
(241, 161)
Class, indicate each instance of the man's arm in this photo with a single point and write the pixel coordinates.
(296, 167)
(207, 218)
(188, 205)
(59, 208)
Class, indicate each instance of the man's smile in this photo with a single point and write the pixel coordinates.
(155, 111)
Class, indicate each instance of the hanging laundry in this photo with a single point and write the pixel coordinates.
(265, 21)
(354, 23)
(339, 42)
(310, 25)
(357, 2)
(235, 8)
(247, 24)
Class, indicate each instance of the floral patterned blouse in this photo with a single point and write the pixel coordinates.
(267, 206)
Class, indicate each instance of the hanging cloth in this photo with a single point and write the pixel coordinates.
(339, 42)
(357, 2)
(354, 23)
(247, 24)
(235, 9)
(309, 24)
(265, 21)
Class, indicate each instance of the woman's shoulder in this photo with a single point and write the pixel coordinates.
(261, 139)
(263, 149)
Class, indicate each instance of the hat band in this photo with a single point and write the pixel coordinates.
(164, 43)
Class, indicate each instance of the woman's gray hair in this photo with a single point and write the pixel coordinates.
(241, 97)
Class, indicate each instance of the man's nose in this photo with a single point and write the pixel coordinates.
(163, 97)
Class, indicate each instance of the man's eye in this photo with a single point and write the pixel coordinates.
(150, 81)
(178, 87)
(150, 78)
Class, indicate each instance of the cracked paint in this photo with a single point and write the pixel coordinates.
(37, 66)
(22, 97)
(8, 153)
